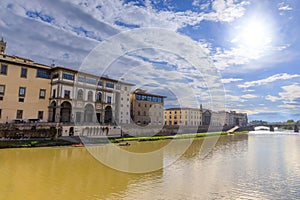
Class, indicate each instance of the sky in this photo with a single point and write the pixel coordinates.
(238, 55)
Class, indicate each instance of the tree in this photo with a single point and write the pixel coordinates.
(290, 121)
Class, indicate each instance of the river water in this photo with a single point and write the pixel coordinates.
(238, 167)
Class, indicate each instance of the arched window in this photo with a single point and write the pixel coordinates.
(80, 95)
(90, 96)
(99, 97)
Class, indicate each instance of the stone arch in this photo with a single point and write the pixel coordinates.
(65, 112)
(108, 114)
(52, 111)
(89, 113)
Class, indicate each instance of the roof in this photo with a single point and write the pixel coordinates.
(140, 91)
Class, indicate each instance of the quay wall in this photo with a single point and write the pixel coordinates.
(50, 130)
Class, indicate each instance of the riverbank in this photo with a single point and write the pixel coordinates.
(49, 142)
(34, 143)
(181, 136)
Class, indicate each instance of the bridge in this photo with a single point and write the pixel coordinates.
(272, 127)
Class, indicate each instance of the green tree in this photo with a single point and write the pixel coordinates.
(290, 121)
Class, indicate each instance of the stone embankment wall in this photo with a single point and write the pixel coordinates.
(49, 130)
(17, 131)
(152, 130)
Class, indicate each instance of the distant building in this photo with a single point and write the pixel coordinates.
(146, 108)
(237, 119)
(204, 117)
(183, 116)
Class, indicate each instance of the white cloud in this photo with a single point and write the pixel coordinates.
(249, 96)
(230, 80)
(272, 98)
(284, 7)
(291, 92)
(290, 97)
(283, 76)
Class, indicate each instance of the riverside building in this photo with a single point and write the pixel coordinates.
(33, 91)
(24, 88)
(85, 98)
(203, 117)
(183, 116)
(146, 108)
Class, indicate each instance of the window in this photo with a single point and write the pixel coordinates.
(118, 87)
(19, 114)
(108, 99)
(90, 96)
(53, 93)
(110, 85)
(40, 114)
(68, 76)
(139, 113)
(80, 95)
(0, 113)
(125, 88)
(55, 75)
(2, 89)
(43, 73)
(138, 97)
(144, 97)
(100, 83)
(21, 99)
(99, 96)
(22, 91)
(149, 98)
(81, 79)
(91, 81)
(42, 93)
(3, 69)
(23, 73)
(67, 94)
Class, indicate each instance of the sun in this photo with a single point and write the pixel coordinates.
(253, 34)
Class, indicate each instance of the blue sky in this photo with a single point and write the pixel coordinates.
(253, 45)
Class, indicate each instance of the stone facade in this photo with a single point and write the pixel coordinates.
(146, 108)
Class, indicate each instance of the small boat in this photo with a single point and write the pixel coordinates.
(124, 144)
(77, 145)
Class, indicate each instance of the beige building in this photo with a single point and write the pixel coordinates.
(183, 116)
(146, 108)
(32, 91)
(24, 89)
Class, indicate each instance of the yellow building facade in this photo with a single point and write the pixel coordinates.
(24, 89)
(183, 116)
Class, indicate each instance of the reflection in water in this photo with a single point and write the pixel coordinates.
(239, 167)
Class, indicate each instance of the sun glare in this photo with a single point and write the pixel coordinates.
(253, 34)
